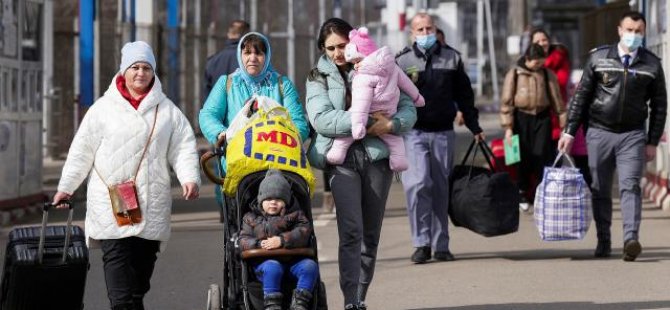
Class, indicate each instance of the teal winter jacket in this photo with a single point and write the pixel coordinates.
(326, 101)
(220, 109)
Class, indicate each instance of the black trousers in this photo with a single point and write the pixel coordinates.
(326, 181)
(128, 264)
(536, 147)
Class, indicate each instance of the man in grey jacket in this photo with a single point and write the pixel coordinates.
(622, 85)
(437, 70)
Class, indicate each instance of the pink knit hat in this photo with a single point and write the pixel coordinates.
(360, 44)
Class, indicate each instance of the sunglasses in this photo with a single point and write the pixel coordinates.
(333, 47)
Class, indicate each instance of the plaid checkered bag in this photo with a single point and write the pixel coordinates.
(562, 203)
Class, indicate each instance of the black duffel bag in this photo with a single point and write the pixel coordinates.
(483, 200)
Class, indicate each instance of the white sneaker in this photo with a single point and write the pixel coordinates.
(524, 206)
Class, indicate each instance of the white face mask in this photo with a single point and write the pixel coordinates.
(631, 40)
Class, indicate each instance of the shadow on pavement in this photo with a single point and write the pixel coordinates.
(649, 255)
(577, 305)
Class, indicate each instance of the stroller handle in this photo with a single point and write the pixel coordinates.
(255, 253)
(208, 169)
(219, 151)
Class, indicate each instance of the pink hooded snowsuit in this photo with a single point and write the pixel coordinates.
(376, 87)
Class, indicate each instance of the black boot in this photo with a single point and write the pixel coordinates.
(603, 249)
(273, 301)
(124, 307)
(138, 302)
(301, 299)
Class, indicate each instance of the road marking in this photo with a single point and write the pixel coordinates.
(323, 219)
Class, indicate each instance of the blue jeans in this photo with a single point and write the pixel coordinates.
(271, 272)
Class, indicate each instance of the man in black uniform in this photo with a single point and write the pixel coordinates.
(622, 85)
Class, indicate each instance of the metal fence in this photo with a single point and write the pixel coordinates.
(201, 32)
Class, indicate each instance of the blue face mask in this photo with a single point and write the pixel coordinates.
(631, 40)
(427, 41)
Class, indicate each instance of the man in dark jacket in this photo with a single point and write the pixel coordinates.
(437, 70)
(622, 85)
(225, 61)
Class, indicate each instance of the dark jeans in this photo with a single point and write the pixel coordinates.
(326, 179)
(360, 189)
(271, 273)
(128, 264)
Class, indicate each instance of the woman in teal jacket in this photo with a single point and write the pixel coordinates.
(360, 185)
(255, 76)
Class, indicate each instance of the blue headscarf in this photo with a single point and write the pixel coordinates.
(255, 81)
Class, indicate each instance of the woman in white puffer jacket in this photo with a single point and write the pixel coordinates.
(108, 148)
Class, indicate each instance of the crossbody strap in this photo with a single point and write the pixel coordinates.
(146, 146)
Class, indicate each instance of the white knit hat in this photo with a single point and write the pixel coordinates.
(138, 51)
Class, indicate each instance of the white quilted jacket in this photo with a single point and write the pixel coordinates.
(112, 135)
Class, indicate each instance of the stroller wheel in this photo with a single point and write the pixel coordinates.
(214, 297)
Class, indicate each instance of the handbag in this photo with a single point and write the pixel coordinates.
(562, 203)
(125, 204)
(483, 200)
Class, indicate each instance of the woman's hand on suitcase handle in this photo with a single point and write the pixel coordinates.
(480, 137)
(59, 197)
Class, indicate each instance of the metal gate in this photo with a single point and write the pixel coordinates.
(21, 49)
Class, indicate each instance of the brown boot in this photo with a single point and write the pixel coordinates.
(328, 202)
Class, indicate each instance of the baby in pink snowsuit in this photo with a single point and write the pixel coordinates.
(376, 87)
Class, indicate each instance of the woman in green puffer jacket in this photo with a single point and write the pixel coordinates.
(360, 185)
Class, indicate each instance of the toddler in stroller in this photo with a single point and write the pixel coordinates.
(275, 221)
(269, 140)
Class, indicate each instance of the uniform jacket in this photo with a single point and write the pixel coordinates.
(293, 227)
(112, 137)
(326, 109)
(615, 99)
(528, 92)
(441, 79)
(222, 63)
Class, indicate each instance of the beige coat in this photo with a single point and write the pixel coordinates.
(527, 93)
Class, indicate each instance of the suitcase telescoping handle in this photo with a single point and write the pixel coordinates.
(68, 229)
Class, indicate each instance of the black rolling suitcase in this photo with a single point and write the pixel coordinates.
(45, 267)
